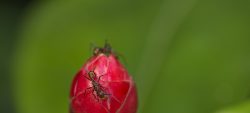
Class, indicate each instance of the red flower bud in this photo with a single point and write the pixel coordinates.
(103, 85)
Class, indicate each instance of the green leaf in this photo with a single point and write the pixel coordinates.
(239, 108)
(186, 56)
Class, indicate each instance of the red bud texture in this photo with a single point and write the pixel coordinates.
(103, 85)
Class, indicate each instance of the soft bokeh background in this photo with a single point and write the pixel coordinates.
(186, 56)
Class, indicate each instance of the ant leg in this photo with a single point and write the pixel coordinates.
(99, 78)
(107, 94)
(119, 55)
(86, 77)
(103, 88)
(87, 90)
(94, 94)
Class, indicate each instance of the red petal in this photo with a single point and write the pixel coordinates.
(87, 104)
(130, 104)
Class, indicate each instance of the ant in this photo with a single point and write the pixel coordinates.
(107, 49)
(96, 86)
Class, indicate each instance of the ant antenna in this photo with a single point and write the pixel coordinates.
(107, 49)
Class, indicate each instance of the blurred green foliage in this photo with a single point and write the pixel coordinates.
(241, 108)
(185, 56)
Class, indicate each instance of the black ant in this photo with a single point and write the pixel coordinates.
(96, 86)
(107, 49)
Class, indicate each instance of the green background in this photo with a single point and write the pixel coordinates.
(186, 56)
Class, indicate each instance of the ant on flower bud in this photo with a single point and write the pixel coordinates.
(103, 85)
(107, 49)
(96, 86)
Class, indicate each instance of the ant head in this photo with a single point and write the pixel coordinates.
(106, 49)
(91, 74)
(97, 50)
